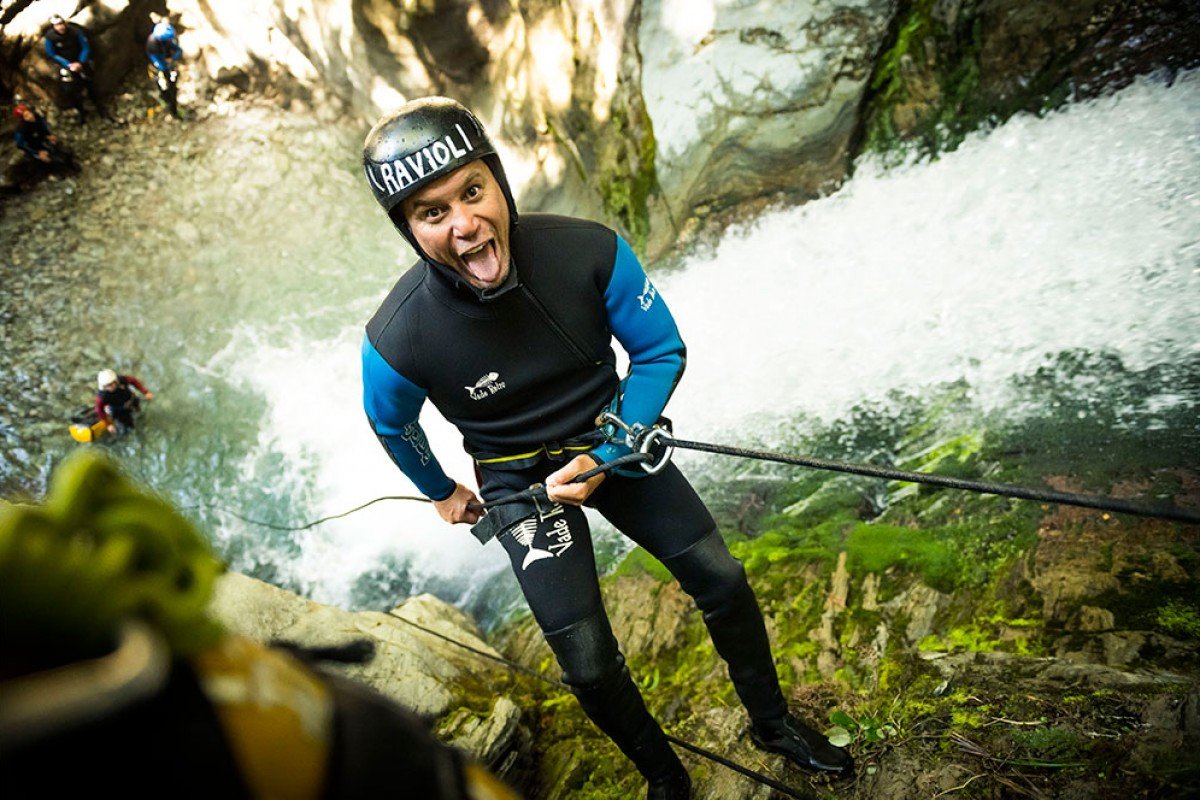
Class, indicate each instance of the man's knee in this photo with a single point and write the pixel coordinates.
(709, 573)
(587, 651)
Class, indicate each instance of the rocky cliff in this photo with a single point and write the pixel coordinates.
(664, 117)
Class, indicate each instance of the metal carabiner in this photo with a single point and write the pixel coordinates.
(648, 438)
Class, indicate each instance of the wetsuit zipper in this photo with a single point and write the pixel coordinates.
(575, 349)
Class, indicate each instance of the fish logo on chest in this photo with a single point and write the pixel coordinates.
(486, 386)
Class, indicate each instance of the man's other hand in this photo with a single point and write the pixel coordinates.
(560, 489)
(461, 506)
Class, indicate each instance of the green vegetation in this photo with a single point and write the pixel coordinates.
(627, 184)
(925, 86)
(905, 618)
(1179, 619)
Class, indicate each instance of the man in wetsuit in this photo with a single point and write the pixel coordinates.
(507, 329)
(67, 45)
(162, 48)
(115, 400)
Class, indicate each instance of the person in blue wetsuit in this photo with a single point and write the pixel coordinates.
(67, 45)
(506, 326)
(164, 52)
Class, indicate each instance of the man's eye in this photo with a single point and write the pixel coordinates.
(474, 190)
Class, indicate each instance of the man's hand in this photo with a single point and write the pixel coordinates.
(76, 66)
(462, 506)
(148, 395)
(560, 489)
(44, 155)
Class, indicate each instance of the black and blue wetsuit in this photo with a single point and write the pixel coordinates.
(34, 137)
(71, 46)
(523, 375)
(163, 53)
(529, 369)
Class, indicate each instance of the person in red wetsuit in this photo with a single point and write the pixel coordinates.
(115, 400)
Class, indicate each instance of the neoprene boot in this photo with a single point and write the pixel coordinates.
(718, 583)
(595, 670)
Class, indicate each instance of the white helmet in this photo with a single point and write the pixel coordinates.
(105, 377)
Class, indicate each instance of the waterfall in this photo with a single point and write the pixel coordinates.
(1080, 230)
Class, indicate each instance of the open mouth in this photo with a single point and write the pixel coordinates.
(483, 263)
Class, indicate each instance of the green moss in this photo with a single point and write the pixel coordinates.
(626, 186)
(933, 73)
(1179, 619)
(877, 548)
(1051, 745)
(639, 562)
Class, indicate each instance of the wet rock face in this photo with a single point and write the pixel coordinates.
(116, 32)
(420, 671)
(664, 118)
(755, 102)
(950, 66)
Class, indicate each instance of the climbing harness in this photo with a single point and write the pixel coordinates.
(716, 758)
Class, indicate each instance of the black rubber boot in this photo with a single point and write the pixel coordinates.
(595, 670)
(803, 746)
(675, 787)
(717, 582)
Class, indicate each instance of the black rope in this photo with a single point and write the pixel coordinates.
(1004, 489)
(315, 522)
(782, 788)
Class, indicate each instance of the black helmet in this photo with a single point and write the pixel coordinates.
(420, 142)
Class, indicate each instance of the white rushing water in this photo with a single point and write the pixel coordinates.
(1080, 230)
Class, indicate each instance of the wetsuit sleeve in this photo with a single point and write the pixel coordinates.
(135, 383)
(85, 49)
(393, 405)
(153, 48)
(100, 412)
(25, 144)
(641, 322)
(53, 53)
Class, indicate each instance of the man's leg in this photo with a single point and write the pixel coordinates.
(664, 514)
(551, 555)
(89, 83)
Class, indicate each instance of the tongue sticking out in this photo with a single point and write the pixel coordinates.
(483, 264)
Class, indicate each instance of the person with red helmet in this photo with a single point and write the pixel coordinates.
(33, 136)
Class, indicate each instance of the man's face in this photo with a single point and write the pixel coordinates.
(462, 220)
(28, 115)
(111, 386)
(61, 27)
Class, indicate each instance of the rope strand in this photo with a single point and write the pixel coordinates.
(983, 487)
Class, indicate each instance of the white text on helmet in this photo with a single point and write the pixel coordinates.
(396, 176)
